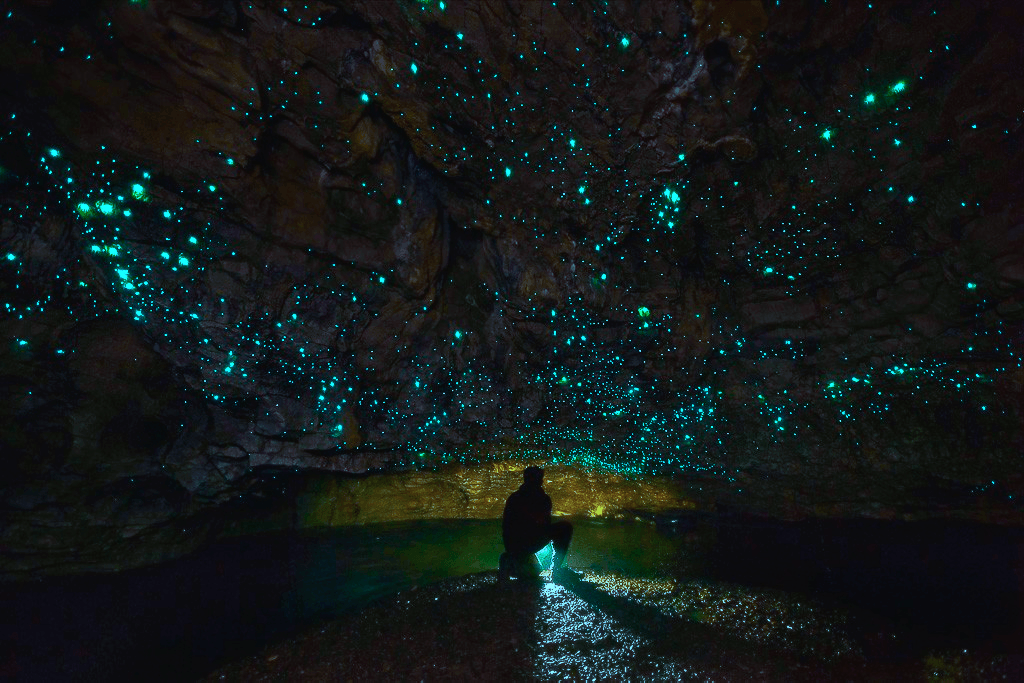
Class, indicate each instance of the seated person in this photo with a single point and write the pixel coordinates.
(526, 527)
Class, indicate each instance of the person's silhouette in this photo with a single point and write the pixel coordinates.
(526, 527)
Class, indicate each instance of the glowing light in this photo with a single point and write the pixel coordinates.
(545, 555)
(138, 191)
(364, 97)
(508, 172)
(827, 135)
(644, 312)
(625, 41)
(106, 208)
(899, 86)
(972, 285)
(413, 67)
(870, 99)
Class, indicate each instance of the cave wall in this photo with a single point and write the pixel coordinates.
(776, 246)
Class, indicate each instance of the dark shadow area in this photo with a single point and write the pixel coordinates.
(169, 622)
(178, 620)
(912, 586)
(671, 632)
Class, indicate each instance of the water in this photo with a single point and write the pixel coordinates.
(887, 590)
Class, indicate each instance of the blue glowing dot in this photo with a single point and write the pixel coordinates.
(508, 172)
(625, 41)
(458, 334)
(459, 36)
(230, 162)
(167, 214)
(827, 135)
(380, 279)
(106, 208)
(138, 191)
(183, 261)
(899, 86)
(572, 143)
(55, 153)
(972, 285)
(910, 199)
(364, 97)
(414, 68)
(165, 255)
(870, 99)
(12, 257)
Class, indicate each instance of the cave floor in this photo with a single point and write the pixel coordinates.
(709, 597)
(598, 627)
(728, 602)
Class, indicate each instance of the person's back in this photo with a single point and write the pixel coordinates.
(527, 516)
(526, 526)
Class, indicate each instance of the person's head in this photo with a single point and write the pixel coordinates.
(533, 476)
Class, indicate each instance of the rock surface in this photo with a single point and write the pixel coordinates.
(779, 247)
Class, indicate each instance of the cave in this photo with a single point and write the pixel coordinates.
(294, 292)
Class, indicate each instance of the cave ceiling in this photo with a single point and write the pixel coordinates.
(725, 239)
